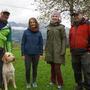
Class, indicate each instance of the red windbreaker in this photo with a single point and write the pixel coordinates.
(79, 36)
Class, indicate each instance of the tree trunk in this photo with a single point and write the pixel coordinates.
(71, 10)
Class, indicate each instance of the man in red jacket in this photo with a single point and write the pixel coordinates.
(79, 39)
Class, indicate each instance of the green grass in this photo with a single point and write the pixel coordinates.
(43, 74)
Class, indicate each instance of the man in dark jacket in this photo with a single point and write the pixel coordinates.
(80, 51)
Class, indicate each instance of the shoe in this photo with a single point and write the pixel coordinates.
(52, 83)
(28, 86)
(34, 85)
(78, 88)
(59, 87)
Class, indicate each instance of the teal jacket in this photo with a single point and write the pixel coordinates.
(5, 38)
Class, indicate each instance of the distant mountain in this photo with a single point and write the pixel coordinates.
(14, 24)
(18, 29)
(17, 35)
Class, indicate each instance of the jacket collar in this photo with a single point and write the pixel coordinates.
(3, 24)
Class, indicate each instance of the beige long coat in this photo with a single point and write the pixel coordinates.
(55, 44)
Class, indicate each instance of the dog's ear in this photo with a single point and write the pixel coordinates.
(4, 59)
(3, 56)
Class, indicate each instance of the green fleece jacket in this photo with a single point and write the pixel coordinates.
(5, 38)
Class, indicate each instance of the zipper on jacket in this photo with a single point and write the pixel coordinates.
(75, 44)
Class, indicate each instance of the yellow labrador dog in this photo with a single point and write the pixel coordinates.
(8, 69)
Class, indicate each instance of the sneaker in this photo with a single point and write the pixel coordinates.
(34, 85)
(52, 83)
(28, 86)
(59, 87)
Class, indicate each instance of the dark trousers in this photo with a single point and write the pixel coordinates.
(1, 79)
(81, 67)
(1, 65)
(31, 60)
(56, 76)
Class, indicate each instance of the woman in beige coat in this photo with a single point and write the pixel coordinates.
(55, 48)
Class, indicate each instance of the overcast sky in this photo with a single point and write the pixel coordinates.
(22, 10)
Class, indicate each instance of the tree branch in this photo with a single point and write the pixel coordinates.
(68, 2)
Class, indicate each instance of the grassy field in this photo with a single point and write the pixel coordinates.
(43, 74)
